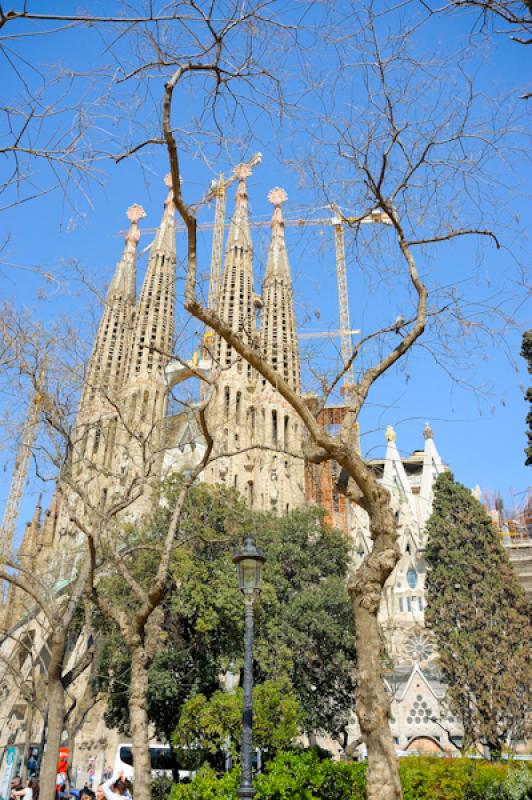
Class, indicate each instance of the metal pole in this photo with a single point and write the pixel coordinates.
(246, 789)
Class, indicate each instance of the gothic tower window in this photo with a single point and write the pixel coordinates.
(97, 437)
(411, 578)
(251, 423)
(227, 400)
(275, 431)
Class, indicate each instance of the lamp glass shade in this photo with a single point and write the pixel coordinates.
(250, 573)
(249, 562)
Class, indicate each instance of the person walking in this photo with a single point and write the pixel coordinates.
(30, 792)
(116, 787)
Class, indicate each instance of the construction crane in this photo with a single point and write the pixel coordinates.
(325, 334)
(20, 473)
(346, 346)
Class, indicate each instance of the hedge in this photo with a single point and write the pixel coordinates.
(301, 775)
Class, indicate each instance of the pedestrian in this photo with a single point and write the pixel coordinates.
(117, 786)
(33, 764)
(30, 792)
(16, 783)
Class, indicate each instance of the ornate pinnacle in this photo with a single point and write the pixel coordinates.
(427, 431)
(134, 214)
(277, 196)
(170, 198)
(242, 171)
(390, 434)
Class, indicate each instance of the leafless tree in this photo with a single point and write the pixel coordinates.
(396, 160)
(389, 153)
(92, 500)
(516, 15)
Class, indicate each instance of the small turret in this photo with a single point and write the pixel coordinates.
(432, 467)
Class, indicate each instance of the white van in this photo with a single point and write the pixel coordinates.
(160, 757)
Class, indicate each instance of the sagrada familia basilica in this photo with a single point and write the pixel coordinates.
(258, 450)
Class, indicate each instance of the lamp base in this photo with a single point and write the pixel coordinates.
(246, 792)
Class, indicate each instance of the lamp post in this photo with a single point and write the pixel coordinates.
(249, 562)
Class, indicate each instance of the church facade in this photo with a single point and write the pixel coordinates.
(125, 437)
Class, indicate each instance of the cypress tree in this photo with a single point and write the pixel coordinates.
(480, 617)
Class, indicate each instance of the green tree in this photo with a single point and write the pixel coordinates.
(480, 617)
(526, 352)
(303, 620)
(192, 635)
(215, 723)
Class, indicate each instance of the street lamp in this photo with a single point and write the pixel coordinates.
(249, 563)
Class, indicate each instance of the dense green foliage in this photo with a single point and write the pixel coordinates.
(480, 617)
(187, 656)
(526, 352)
(216, 724)
(303, 776)
(303, 616)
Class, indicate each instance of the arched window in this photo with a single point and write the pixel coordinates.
(251, 423)
(411, 578)
(97, 438)
(227, 400)
(274, 427)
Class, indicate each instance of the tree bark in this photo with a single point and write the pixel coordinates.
(138, 717)
(373, 707)
(56, 718)
(372, 700)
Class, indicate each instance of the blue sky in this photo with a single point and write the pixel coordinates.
(480, 433)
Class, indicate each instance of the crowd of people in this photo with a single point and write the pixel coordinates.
(117, 786)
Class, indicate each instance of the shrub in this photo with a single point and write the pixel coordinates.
(301, 775)
(207, 785)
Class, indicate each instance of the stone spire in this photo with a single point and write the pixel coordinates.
(394, 476)
(107, 367)
(258, 444)
(237, 295)
(30, 542)
(155, 318)
(153, 337)
(432, 467)
(278, 337)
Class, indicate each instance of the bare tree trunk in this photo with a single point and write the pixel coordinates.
(138, 718)
(372, 699)
(56, 719)
(373, 707)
